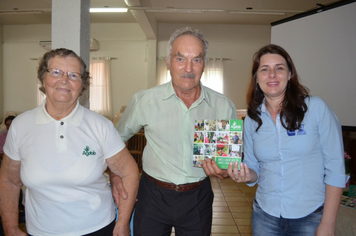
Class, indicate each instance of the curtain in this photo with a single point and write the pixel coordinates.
(213, 74)
(100, 88)
(212, 77)
(163, 75)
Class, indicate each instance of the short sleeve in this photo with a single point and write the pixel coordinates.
(11, 147)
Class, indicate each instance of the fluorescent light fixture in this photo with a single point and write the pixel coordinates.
(214, 10)
(257, 12)
(174, 10)
(108, 9)
(187, 10)
(21, 12)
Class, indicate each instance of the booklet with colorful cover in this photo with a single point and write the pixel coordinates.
(220, 140)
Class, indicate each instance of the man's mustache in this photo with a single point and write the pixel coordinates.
(188, 75)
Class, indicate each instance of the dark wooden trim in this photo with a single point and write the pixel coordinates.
(314, 11)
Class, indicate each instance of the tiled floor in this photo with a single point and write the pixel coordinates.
(232, 208)
(23, 227)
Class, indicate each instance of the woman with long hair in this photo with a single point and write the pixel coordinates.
(293, 150)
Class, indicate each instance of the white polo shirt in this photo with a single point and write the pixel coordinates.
(62, 165)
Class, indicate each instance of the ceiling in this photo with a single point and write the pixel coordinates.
(251, 12)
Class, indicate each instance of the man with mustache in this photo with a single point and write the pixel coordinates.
(172, 192)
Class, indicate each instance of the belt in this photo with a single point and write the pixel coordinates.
(171, 186)
(319, 209)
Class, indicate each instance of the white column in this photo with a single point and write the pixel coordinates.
(71, 29)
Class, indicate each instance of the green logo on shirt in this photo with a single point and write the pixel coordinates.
(87, 151)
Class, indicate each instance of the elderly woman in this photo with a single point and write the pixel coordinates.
(60, 151)
(293, 150)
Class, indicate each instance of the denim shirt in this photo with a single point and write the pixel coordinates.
(293, 167)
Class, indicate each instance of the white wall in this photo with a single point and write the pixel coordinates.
(322, 46)
(129, 72)
(1, 79)
(126, 42)
(19, 45)
(238, 42)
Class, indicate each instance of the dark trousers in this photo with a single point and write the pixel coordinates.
(158, 210)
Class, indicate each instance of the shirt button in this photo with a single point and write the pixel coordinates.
(61, 136)
(62, 123)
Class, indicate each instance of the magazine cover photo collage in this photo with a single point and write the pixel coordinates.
(220, 140)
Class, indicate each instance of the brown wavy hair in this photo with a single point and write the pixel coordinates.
(61, 52)
(293, 106)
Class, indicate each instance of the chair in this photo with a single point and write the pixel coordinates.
(241, 113)
(117, 116)
(135, 145)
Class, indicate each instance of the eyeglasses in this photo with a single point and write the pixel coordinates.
(57, 73)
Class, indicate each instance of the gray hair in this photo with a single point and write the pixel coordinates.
(186, 31)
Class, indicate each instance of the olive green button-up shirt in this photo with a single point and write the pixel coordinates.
(169, 129)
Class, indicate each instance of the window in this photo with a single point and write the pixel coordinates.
(213, 74)
(163, 75)
(100, 88)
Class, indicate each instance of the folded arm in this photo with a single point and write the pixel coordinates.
(124, 166)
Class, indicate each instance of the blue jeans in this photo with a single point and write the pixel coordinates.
(264, 224)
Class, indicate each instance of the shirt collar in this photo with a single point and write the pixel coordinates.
(169, 91)
(204, 95)
(263, 106)
(74, 118)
